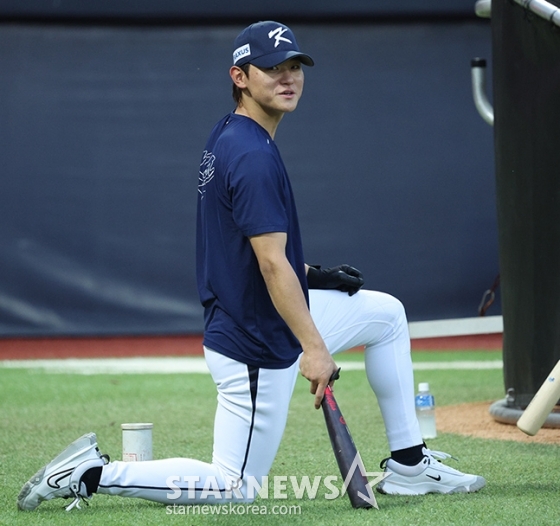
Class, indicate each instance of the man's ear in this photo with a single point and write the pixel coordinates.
(238, 77)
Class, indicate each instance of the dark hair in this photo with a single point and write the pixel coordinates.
(236, 93)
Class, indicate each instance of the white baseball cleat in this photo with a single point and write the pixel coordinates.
(428, 476)
(62, 476)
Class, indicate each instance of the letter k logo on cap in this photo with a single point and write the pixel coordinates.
(277, 34)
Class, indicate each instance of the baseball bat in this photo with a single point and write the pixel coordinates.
(542, 403)
(346, 454)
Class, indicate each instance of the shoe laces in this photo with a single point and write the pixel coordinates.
(431, 455)
(78, 491)
(437, 455)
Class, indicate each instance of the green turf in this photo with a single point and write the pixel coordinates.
(434, 356)
(459, 355)
(41, 413)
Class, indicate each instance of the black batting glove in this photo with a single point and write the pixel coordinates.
(344, 278)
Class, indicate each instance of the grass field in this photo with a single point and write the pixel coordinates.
(41, 413)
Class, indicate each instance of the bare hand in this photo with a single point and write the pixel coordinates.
(318, 368)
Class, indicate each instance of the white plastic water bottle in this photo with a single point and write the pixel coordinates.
(426, 411)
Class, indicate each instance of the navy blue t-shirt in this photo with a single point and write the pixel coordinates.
(243, 191)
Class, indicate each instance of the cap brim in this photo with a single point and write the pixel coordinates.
(273, 59)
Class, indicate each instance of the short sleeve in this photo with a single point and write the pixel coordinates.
(257, 188)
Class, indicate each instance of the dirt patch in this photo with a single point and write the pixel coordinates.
(475, 420)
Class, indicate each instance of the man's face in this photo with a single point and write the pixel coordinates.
(277, 89)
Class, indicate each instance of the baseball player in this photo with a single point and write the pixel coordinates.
(267, 316)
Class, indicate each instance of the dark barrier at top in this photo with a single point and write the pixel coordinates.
(226, 9)
(527, 134)
(101, 134)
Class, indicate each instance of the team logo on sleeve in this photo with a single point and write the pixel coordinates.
(206, 172)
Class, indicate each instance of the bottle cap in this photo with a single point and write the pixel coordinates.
(423, 386)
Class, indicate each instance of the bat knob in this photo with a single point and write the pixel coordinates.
(335, 375)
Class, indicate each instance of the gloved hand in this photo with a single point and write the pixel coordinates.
(344, 278)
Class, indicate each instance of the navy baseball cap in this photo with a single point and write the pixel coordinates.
(267, 44)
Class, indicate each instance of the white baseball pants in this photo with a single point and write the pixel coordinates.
(253, 406)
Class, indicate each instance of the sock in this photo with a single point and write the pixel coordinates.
(91, 479)
(409, 456)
